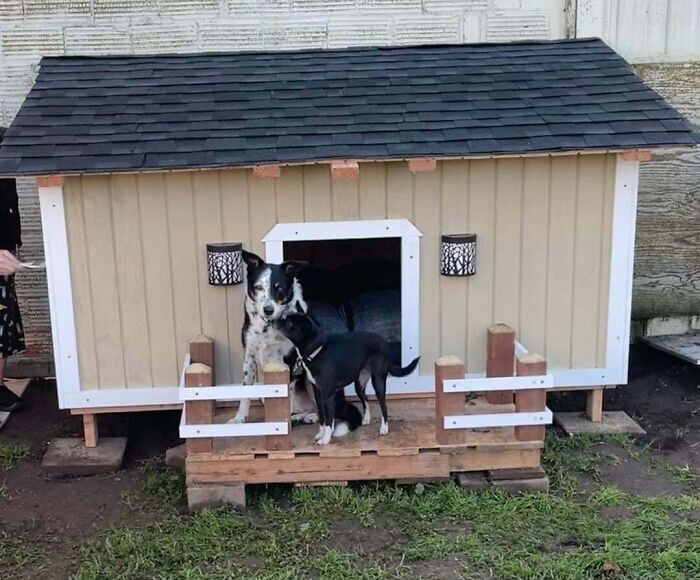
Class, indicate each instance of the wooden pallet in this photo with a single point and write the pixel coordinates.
(410, 450)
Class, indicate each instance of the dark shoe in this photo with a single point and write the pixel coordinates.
(9, 401)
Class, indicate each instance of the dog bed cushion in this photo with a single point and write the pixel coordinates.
(328, 317)
(378, 312)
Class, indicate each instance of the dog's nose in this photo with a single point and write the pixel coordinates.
(269, 310)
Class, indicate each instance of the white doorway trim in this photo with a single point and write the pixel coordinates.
(366, 229)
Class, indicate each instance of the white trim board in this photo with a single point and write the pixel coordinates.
(231, 429)
(58, 274)
(482, 385)
(367, 229)
(498, 420)
(233, 392)
(621, 269)
(341, 230)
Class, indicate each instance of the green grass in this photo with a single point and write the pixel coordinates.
(166, 486)
(381, 531)
(15, 553)
(308, 532)
(11, 454)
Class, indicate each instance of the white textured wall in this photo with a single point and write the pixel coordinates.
(31, 28)
(644, 30)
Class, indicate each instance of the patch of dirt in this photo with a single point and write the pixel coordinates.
(439, 569)
(631, 475)
(616, 514)
(637, 478)
(57, 515)
(663, 396)
(349, 535)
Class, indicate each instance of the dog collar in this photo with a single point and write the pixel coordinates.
(312, 356)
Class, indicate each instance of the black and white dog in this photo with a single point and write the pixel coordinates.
(332, 362)
(273, 291)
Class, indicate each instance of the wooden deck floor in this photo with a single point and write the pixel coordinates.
(409, 450)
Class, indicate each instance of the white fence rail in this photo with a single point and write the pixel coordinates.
(231, 429)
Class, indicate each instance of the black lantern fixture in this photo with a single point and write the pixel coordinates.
(225, 263)
(458, 255)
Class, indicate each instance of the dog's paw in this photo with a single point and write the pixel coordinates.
(237, 420)
(384, 429)
(366, 417)
(323, 437)
(310, 418)
(297, 418)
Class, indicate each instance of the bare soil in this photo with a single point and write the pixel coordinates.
(58, 515)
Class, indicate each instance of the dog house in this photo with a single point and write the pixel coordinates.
(435, 190)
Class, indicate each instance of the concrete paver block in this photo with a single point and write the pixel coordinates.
(211, 495)
(71, 457)
(614, 422)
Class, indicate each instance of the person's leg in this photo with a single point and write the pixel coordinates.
(11, 340)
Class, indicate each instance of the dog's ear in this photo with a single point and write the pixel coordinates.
(291, 269)
(252, 261)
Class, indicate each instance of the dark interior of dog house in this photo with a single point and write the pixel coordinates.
(353, 285)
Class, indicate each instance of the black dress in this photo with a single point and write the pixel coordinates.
(11, 329)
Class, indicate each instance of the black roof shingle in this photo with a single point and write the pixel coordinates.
(105, 114)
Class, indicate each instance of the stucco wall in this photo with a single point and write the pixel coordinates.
(136, 245)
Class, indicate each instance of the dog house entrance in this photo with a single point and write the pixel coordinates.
(364, 275)
(353, 285)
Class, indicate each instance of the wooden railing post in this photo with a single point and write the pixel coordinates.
(199, 412)
(278, 409)
(529, 400)
(500, 355)
(202, 351)
(447, 368)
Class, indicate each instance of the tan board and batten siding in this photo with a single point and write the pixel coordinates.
(137, 251)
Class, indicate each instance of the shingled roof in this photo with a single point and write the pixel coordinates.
(87, 115)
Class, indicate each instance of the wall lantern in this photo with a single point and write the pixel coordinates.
(225, 263)
(458, 255)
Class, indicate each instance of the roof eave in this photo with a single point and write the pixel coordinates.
(523, 154)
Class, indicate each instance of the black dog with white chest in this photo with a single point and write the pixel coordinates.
(332, 362)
